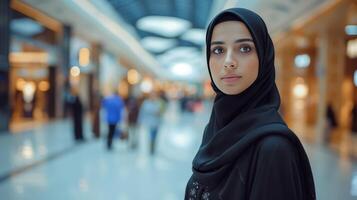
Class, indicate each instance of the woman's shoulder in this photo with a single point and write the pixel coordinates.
(276, 146)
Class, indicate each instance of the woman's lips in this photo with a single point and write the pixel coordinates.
(230, 79)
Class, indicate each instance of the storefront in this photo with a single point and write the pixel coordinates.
(315, 72)
(33, 64)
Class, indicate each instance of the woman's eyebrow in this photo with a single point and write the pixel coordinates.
(244, 40)
(217, 42)
(236, 41)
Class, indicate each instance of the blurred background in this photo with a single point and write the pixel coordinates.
(71, 70)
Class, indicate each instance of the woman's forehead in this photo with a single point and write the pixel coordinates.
(230, 29)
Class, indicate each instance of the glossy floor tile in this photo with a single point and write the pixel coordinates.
(46, 163)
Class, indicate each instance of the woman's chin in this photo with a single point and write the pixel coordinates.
(231, 91)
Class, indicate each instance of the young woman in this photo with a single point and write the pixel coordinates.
(247, 151)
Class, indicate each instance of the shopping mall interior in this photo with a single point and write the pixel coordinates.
(62, 57)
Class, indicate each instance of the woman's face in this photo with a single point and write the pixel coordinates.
(234, 62)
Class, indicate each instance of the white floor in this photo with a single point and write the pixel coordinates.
(46, 164)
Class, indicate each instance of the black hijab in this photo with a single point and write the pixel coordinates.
(237, 122)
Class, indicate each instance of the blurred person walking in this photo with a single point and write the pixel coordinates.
(354, 119)
(353, 126)
(331, 122)
(77, 115)
(114, 107)
(133, 107)
(150, 117)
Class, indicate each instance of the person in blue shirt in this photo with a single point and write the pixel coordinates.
(113, 106)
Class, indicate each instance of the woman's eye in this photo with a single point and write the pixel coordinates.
(217, 50)
(245, 49)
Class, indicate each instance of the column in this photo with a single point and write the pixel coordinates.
(285, 75)
(62, 73)
(5, 111)
(330, 72)
(94, 89)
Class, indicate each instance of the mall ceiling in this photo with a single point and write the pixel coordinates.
(279, 15)
(173, 43)
(195, 11)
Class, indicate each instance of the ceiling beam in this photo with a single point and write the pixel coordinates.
(318, 15)
(27, 10)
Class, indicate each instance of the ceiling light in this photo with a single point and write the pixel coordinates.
(164, 26)
(178, 54)
(157, 44)
(196, 36)
(84, 57)
(302, 61)
(351, 29)
(182, 69)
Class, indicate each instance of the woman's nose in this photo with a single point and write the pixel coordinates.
(230, 61)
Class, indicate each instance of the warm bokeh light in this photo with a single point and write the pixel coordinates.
(29, 91)
(20, 83)
(123, 88)
(75, 71)
(43, 86)
(352, 48)
(133, 76)
(300, 90)
(147, 85)
(27, 151)
(29, 57)
(84, 56)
